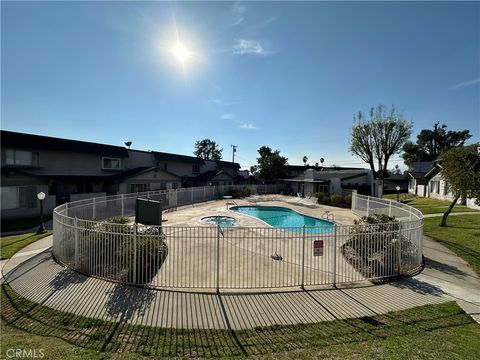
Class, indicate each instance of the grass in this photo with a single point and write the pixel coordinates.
(432, 331)
(9, 245)
(462, 236)
(428, 205)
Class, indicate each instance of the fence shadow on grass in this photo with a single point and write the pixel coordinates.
(123, 336)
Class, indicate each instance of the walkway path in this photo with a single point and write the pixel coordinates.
(452, 214)
(35, 275)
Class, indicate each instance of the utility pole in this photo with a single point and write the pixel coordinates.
(234, 150)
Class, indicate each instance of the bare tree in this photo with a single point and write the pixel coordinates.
(376, 139)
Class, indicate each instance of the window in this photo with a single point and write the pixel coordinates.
(447, 189)
(9, 197)
(435, 187)
(21, 157)
(14, 197)
(196, 169)
(111, 163)
(134, 188)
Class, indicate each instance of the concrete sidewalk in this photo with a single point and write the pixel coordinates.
(35, 275)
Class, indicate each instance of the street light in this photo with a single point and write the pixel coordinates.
(41, 197)
(398, 193)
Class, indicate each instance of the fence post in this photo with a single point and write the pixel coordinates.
(390, 208)
(93, 209)
(123, 206)
(134, 260)
(217, 261)
(334, 272)
(75, 250)
(368, 205)
(303, 259)
(204, 193)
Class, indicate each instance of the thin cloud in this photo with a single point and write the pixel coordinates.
(227, 116)
(223, 103)
(466, 83)
(238, 10)
(250, 47)
(248, 127)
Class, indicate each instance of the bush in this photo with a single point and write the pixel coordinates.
(336, 200)
(119, 220)
(325, 200)
(115, 247)
(347, 201)
(319, 196)
(245, 192)
(374, 255)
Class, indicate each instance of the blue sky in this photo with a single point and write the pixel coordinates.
(286, 75)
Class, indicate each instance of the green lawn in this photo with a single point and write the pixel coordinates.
(11, 244)
(462, 236)
(428, 205)
(427, 332)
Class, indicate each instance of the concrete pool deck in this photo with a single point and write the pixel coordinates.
(33, 274)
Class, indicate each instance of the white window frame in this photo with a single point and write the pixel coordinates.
(111, 168)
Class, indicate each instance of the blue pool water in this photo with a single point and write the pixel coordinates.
(280, 217)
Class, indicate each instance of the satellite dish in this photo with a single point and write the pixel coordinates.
(128, 143)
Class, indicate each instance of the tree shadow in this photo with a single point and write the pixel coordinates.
(444, 268)
(126, 302)
(419, 286)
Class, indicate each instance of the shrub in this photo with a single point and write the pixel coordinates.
(347, 201)
(319, 196)
(373, 246)
(119, 220)
(245, 192)
(336, 200)
(325, 200)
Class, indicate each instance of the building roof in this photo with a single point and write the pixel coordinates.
(227, 164)
(30, 141)
(131, 172)
(319, 168)
(162, 156)
(210, 175)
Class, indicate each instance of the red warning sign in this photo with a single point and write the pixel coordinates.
(318, 248)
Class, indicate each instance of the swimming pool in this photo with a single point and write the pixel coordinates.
(280, 217)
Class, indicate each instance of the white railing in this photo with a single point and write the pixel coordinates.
(233, 258)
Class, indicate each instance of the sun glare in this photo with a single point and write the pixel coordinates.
(181, 53)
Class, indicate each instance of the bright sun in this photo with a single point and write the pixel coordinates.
(181, 52)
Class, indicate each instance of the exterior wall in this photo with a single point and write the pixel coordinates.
(180, 169)
(68, 163)
(153, 180)
(442, 192)
(137, 158)
(25, 212)
(84, 196)
(335, 186)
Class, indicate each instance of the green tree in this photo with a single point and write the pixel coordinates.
(208, 150)
(461, 169)
(271, 165)
(377, 138)
(431, 143)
